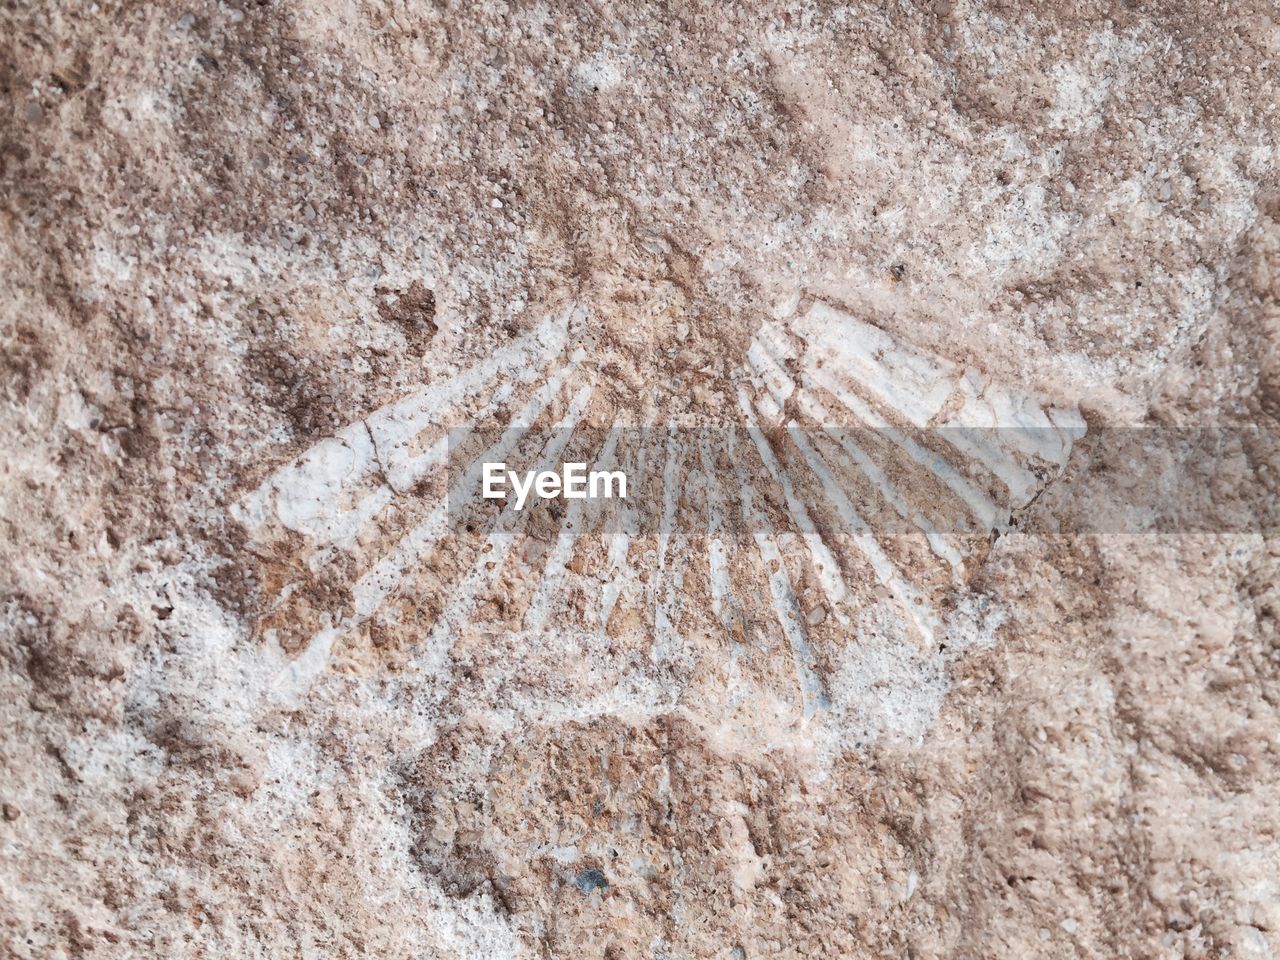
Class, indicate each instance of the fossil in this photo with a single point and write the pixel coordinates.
(857, 472)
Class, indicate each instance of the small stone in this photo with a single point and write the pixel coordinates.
(495, 203)
(591, 880)
(11, 812)
(186, 22)
(34, 113)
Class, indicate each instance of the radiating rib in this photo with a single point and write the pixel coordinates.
(914, 384)
(394, 427)
(766, 361)
(1010, 433)
(403, 470)
(668, 584)
(620, 575)
(723, 602)
(999, 429)
(372, 589)
(492, 557)
(570, 534)
(812, 407)
(989, 514)
(311, 485)
(911, 600)
(820, 555)
(783, 596)
(378, 583)
(763, 358)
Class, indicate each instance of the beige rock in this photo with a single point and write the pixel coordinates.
(927, 695)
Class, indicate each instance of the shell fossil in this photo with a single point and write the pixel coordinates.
(845, 492)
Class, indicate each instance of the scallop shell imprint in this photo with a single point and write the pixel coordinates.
(856, 475)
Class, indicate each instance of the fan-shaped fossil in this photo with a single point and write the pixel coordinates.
(857, 473)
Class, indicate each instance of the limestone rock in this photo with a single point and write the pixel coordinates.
(939, 344)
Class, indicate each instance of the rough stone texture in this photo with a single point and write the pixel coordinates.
(231, 232)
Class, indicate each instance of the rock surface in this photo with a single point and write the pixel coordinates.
(253, 705)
